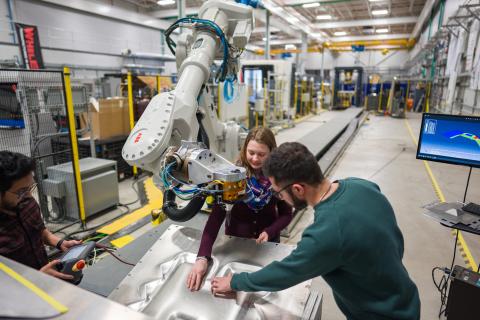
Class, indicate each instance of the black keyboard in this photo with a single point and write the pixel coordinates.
(472, 208)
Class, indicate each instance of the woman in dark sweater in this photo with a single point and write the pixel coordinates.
(259, 216)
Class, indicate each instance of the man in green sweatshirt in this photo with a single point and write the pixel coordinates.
(354, 242)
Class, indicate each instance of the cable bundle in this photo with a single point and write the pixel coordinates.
(206, 25)
(174, 184)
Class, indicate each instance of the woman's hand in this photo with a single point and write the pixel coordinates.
(263, 237)
(195, 277)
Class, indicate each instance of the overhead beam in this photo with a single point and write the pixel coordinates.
(319, 49)
(369, 43)
(112, 12)
(397, 38)
(427, 9)
(275, 23)
(368, 38)
(366, 22)
(173, 13)
(368, 8)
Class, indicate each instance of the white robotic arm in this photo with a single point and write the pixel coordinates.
(170, 120)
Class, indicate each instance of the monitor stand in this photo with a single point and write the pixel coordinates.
(466, 188)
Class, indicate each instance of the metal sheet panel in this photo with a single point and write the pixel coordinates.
(157, 285)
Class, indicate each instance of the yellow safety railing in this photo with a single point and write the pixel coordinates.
(380, 99)
(73, 140)
(427, 99)
(406, 94)
(130, 110)
(158, 84)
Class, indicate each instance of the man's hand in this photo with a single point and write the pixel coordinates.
(263, 237)
(221, 285)
(68, 244)
(195, 277)
(51, 270)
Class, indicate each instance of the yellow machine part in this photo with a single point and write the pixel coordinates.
(233, 191)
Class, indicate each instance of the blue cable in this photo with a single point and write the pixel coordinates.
(218, 31)
(252, 3)
(228, 90)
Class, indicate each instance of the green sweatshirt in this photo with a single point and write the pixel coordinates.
(355, 244)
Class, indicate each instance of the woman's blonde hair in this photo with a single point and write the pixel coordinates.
(261, 135)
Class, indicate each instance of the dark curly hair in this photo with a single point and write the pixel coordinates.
(13, 166)
(292, 162)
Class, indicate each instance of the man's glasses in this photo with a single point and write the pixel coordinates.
(21, 193)
(278, 194)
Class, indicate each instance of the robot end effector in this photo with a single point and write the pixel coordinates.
(193, 172)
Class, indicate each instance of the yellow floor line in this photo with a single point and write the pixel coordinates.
(470, 261)
(122, 241)
(32, 287)
(155, 201)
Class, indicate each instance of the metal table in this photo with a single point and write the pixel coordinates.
(18, 301)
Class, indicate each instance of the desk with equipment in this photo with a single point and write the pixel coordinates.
(454, 140)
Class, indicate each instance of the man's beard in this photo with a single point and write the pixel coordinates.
(298, 204)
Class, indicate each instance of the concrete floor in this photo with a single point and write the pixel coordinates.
(384, 152)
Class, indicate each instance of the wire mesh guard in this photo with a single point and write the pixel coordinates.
(32, 114)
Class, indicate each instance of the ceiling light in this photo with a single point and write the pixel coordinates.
(340, 33)
(380, 12)
(384, 30)
(376, 0)
(149, 22)
(290, 47)
(311, 5)
(316, 35)
(324, 17)
(165, 2)
(292, 20)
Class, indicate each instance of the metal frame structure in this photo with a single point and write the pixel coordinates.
(48, 107)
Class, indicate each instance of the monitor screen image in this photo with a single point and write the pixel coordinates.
(450, 139)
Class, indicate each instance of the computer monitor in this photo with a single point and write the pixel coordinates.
(450, 139)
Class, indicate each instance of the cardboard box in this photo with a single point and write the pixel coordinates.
(109, 118)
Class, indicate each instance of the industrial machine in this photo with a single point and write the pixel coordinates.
(373, 89)
(164, 140)
(99, 182)
(348, 87)
(463, 294)
(270, 84)
(397, 98)
(398, 106)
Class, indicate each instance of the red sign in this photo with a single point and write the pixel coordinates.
(30, 46)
